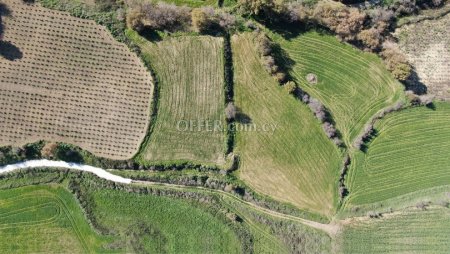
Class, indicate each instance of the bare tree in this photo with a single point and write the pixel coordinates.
(230, 111)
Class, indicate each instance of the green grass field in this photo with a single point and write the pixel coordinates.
(190, 75)
(409, 154)
(413, 231)
(297, 163)
(45, 219)
(170, 225)
(352, 84)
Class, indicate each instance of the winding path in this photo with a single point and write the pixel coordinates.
(331, 229)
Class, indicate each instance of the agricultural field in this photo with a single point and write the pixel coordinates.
(408, 154)
(427, 45)
(276, 235)
(413, 231)
(296, 163)
(45, 219)
(190, 73)
(66, 79)
(347, 78)
(172, 225)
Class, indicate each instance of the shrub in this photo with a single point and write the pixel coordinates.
(290, 87)
(329, 129)
(135, 19)
(271, 11)
(159, 16)
(344, 21)
(206, 20)
(202, 19)
(395, 61)
(163, 16)
(230, 111)
(371, 38)
(317, 107)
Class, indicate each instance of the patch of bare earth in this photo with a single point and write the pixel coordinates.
(427, 45)
(66, 79)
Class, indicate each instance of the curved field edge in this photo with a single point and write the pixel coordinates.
(408, 154)
(296, 163)
(412, 231)
(346, 78)
(86, 100)
(49, 215)
(187, 95)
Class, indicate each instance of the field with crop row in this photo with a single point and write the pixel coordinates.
(353, 85)
(410, 153)
(415, 231)
(190, 73)
(44, 220)
(296, 163)
(71, 82)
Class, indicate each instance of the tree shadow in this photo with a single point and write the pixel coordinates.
(414, 84)
(242, 117)
(150, 35)
(281, 56)
(4, 12)
(431, 106)
(366, 141)
(288, 31)
(9, 51)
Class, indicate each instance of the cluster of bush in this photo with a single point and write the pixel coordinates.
(366, 29)
(268, 51)
(171, 18)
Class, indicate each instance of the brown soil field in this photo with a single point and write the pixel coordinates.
(427, 45)
(66, 79)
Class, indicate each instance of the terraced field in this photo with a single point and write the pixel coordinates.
(296, 163)
(353, 85)
(414, 231)
(66, 79)
(190, 74)
(410, 153)
(44, 219)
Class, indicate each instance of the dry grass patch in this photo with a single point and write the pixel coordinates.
(70, 81)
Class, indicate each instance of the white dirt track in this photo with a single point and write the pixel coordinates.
(62, 164)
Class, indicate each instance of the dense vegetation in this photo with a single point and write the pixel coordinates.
(296, 162)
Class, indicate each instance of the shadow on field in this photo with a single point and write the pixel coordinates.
(150, 35)
(9, 51)
(4, 11)
(242, 117)
(414, 84)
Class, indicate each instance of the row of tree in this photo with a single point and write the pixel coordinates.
(172, 18)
